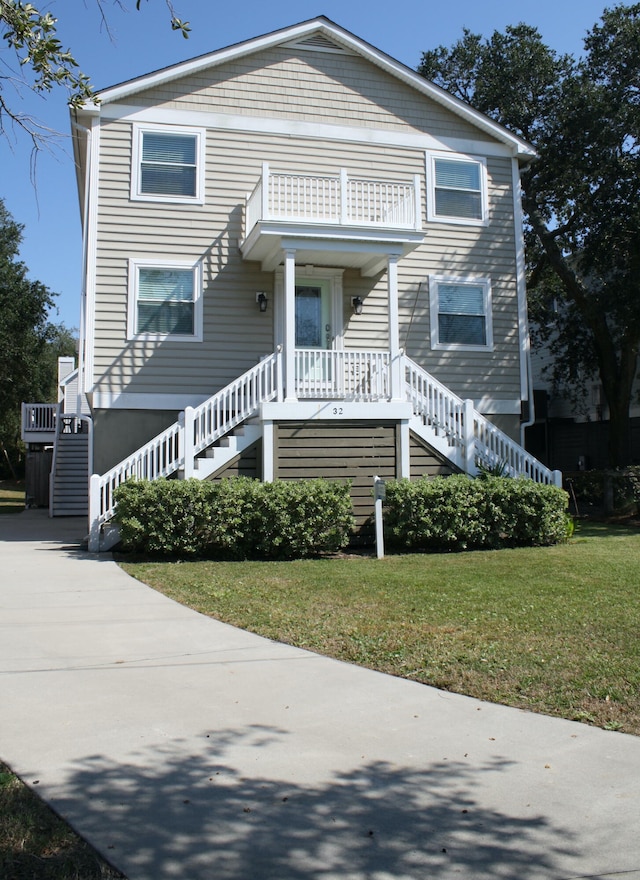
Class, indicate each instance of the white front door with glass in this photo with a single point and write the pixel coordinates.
(314, 335)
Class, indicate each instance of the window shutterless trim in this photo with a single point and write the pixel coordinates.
(136, 193)
(132, 307)
(434, 303)
(480, 161)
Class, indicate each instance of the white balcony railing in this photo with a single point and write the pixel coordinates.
(339, 200)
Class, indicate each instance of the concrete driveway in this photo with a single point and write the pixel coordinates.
(184, 748)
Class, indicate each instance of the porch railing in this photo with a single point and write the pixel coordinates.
(340, 200)
(347, 375)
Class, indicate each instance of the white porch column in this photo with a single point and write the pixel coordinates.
(267, 451)
(290, 326)
(394, 329)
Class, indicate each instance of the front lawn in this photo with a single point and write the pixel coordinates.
(551, 629)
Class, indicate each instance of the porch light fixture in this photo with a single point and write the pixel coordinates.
(356, 302)
(262, 300)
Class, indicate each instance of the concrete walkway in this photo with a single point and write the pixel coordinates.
(184, 748)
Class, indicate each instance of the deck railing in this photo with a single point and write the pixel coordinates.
(39, 418)
(347, 375)
(340, 200)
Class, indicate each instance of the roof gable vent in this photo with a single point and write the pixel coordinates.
(319, 43)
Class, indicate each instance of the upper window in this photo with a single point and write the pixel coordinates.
(164, 301)
(460, 313)
(168, 164)
(457, 191)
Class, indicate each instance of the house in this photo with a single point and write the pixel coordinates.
(572, 434)
(58, 449)
(301, 259)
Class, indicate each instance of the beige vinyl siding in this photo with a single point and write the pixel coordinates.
(235, 333)
(338, 88)
(480, 251)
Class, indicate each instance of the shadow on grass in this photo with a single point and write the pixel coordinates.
(597, 529)
(201, 813)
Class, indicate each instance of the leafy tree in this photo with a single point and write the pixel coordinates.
(43, 63)
(29, 344)
(581, 197)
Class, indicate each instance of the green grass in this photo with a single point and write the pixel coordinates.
(554, 630)
(11, 496)
(35, 844)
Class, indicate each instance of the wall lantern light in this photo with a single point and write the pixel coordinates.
(262, 300)
(356, 302)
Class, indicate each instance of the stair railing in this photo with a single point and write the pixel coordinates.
(483, 444)
(176, 446)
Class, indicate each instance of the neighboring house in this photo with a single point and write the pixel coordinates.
(573, 435)
(57, 438)
(301, 259)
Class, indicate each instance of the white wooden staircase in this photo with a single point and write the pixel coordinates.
(208, 437)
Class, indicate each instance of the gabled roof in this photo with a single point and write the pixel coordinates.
(321, 33)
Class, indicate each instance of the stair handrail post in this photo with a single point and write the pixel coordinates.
(94, 513)
(188, 441)
(557, 479)
(469, 438)
(279, 375)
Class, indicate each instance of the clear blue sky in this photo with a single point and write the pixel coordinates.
(143, 41)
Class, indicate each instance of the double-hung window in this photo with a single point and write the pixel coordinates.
(457, 189)
(460, 313)
(165, 300)
(168, 164)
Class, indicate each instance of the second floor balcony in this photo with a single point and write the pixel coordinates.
(340, 220)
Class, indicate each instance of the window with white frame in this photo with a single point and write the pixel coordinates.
(457, 189)
(168, 164)
(460, 313)
(165, 300)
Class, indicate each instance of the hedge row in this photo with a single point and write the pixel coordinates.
(458, 513)
(237, 518)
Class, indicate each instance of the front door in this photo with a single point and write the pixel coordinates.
(314, 334)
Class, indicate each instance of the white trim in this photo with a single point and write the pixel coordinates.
(526, 393)
(137, 263)
(335, 411)
(145, 400)
(485, 283)
(342, 37)
(431, 157)
(90, 268)
(136, 160)
(283, 411)
(158, 116)
(492, 406)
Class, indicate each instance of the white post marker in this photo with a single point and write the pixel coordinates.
(379, 494)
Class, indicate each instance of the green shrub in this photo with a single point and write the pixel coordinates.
(237, 518)
(458, 513)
